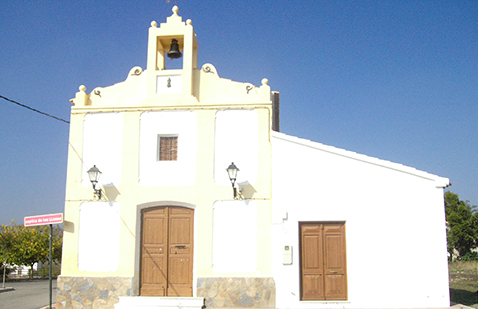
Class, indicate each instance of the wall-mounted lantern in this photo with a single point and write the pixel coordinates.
(94, 174)
(232, 173)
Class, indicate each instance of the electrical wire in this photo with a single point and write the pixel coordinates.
(35, 110)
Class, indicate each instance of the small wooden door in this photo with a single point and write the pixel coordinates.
(323, 261)
(167, 251)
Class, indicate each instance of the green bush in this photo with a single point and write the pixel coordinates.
(470, 256)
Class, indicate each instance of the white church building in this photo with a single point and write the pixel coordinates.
(182, 215)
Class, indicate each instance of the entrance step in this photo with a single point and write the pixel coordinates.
(150, 302)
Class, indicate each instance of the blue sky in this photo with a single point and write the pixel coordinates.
(396, 80)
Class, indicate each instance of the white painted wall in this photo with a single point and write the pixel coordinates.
(235, 236)
(103, 146)
(99, 236)
(236, 141)
(169, 84)
(395, 225)
(168, 173)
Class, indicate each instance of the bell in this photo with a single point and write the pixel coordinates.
(174, 52)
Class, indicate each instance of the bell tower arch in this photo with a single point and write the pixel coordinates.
(162, 80)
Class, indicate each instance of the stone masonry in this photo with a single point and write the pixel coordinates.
(91, 292)
(237, 292)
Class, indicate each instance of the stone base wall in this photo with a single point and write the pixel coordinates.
(237, 292)
(91, 292)
(104, 292)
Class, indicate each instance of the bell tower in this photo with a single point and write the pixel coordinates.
(172, 41)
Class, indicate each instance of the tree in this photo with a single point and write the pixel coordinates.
(22, 245)
(462, 225)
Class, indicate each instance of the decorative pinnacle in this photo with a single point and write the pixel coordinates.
(175, 10)
(189, 22)
(265, 81)
(82, 88)
(154, 24)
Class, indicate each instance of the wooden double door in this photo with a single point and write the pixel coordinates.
(167, 251)
(323, 261)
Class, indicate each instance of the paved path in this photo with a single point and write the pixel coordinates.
(27, 295)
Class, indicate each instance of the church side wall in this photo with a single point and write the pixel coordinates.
(395, 228)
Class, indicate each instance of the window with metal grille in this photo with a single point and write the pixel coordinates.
(167, 148)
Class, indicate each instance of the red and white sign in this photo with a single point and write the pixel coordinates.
(43, 220)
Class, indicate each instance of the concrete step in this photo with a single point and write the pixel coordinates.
(150, 302)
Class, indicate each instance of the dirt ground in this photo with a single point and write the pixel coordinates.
(464, 283)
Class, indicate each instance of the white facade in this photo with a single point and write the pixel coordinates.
(99, 238)
(236, 140)
(181, 172)
(103, 146)
(235, 245)
(394, 217)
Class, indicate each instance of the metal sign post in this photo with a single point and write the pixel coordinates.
(50, 262)
(44, 220)
(4, 270)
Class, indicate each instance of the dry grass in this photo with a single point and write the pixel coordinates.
(464, 283)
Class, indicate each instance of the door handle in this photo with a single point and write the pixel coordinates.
(334, 271)
(181, 247)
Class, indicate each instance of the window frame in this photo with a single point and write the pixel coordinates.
(159, 152)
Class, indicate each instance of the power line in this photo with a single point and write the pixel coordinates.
(35, 110)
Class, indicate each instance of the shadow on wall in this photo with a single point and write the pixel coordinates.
(111, 192)
(248, 190)
(69, 226)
